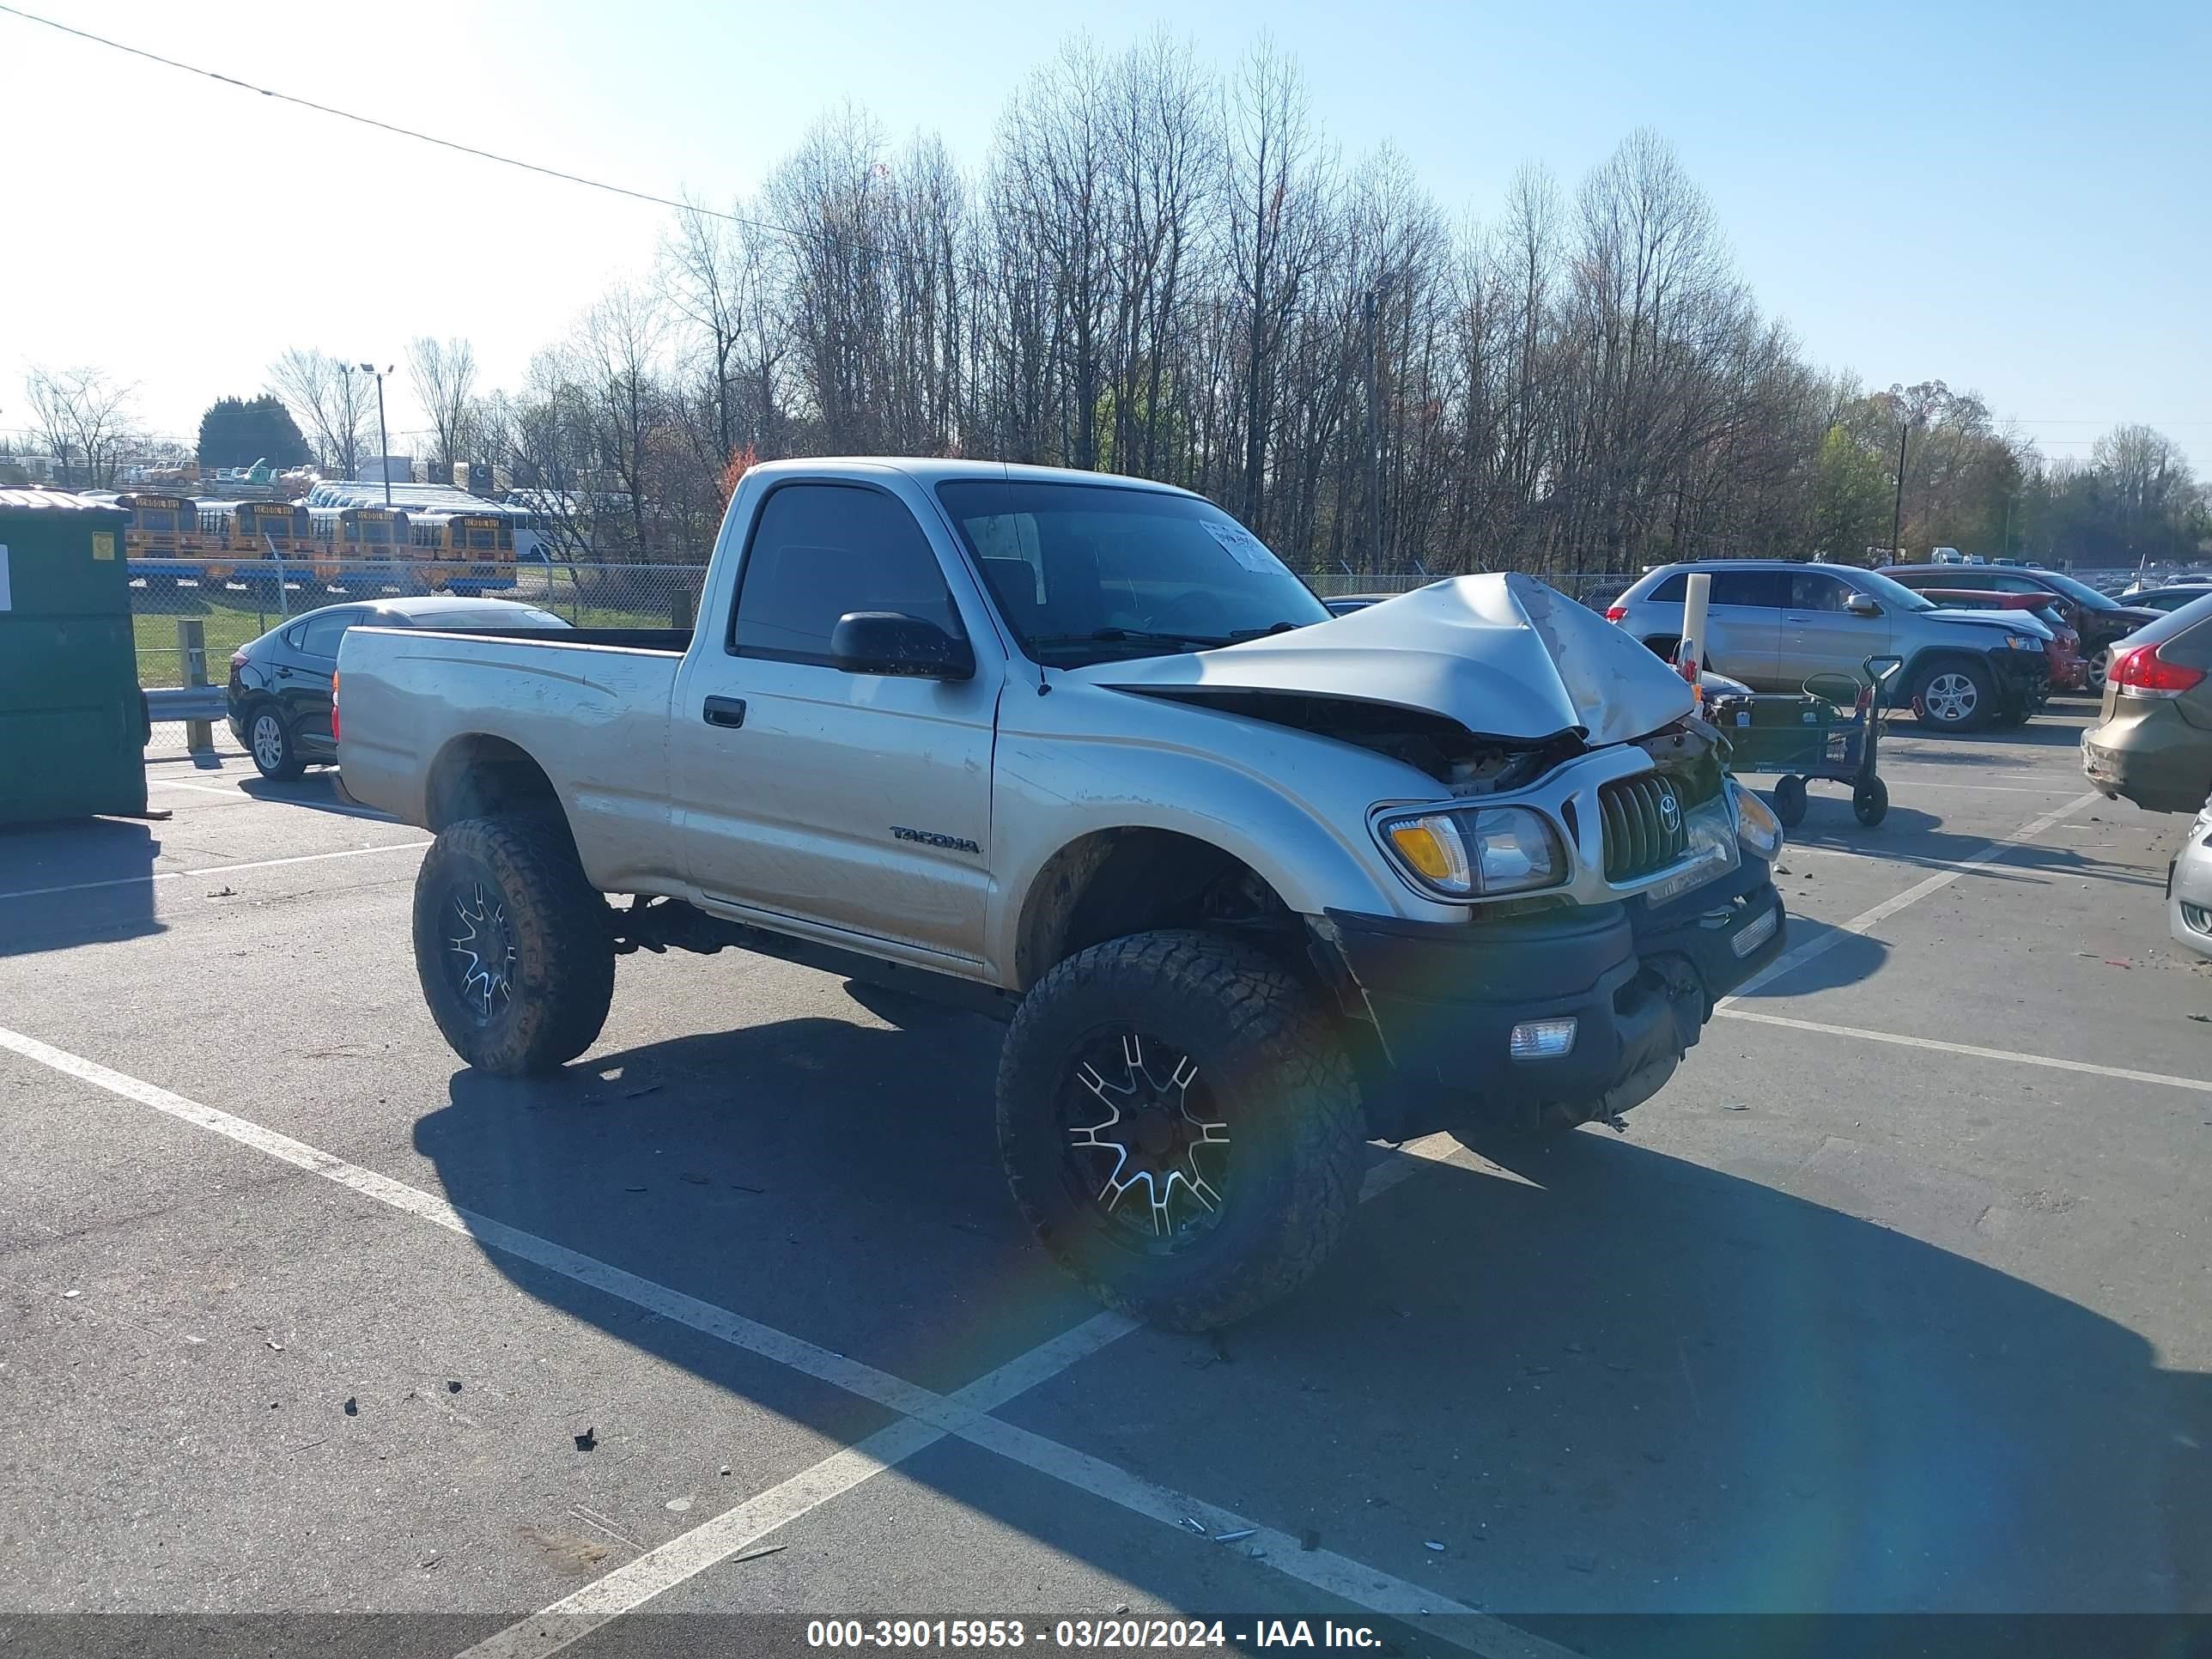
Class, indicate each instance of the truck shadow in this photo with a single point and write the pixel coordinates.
(1604, 1377)
(69, 883)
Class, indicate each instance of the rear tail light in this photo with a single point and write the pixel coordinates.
(237, 660)
(2137, 671)
(334, 707)
(1615, 612)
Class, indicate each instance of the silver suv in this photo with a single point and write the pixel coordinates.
(1773, 623)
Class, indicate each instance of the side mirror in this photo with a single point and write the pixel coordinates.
(890, 642)
(1862, 605)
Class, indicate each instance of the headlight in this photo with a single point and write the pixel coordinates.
(2023, 642)
(1493, 850)
(1756, 826)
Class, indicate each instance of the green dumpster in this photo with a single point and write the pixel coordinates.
(72, 724)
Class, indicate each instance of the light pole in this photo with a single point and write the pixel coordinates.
(383, 438)
(1897, 512)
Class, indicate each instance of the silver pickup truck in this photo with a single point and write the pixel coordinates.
(1251, 884)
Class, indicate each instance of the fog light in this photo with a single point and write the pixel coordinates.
(1541, 1039)
(1756, 934)
(2192, 915)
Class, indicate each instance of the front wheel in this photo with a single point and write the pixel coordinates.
(512, 945)
(1790, 801)
(2099, 666)
(1180, 1127)
(1870, 802)
(1954, 696)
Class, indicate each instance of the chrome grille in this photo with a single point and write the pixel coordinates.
(1646, 826)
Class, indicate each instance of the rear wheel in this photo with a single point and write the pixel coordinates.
(2099, 666)
(1870, 802)
(275, 754)
(1955, 696)
(1180, 1127)
(512, 945)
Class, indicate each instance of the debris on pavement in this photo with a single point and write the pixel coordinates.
(633, 1190)
(432, 1560)
(1197, 1527)
(1231, 1537)
(678, 1505)
(71, 1296)
(755, 1555)
(275, 1347)
(1432, 1544)
(452, 1387)
(352, 1407)
(589, 1438)
(1310, 1540)
(726, 1468)
(694, 1178)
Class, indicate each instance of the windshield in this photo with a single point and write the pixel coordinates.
(1893, 595)
(2082, 592)
(1083, 573)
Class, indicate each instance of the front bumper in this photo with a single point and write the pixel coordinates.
(2023, 678)
(1638, 981)
(2189, 889)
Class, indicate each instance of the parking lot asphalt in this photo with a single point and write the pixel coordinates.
(1894, 1300)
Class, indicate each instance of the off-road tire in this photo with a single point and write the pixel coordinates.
(563, 976)
(1277, 1072)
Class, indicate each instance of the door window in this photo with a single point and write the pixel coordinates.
(324, 632)
(820, 551)
(1811, 590)
(1765, 589)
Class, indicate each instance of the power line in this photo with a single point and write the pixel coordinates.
(443, 143)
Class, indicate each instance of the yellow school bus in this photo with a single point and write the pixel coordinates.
(161, 540)
(361, 550)
(464, 552)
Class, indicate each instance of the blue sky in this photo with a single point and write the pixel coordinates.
(2015, 198)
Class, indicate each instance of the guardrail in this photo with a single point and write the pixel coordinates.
(187, 702)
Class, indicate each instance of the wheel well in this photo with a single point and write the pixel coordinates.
(1117, 882)
(1930, 658)
(484, 777)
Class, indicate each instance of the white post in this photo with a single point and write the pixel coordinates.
(1691, 657)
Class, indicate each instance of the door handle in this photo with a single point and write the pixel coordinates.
(724, 711)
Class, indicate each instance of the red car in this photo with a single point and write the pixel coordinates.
(2069, 669)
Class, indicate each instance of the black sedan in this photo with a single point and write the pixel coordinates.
(279, 701)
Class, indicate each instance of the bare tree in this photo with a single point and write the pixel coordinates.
(86, 417)
(444, 376)
(333, 402)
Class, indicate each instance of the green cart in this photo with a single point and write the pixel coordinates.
(1834, 732)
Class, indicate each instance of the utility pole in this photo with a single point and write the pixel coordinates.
(1897, 512)
(383, 437)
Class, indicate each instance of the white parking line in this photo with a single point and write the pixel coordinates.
(926, 1417)
(1991, 854)
(2125, 1073)
(211, 869)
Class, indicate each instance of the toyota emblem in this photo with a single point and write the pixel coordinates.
(1670, 813)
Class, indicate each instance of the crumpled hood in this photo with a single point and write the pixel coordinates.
(1505, 656)
(2019, 621)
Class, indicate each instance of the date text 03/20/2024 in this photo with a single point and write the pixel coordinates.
(1126, 1634)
